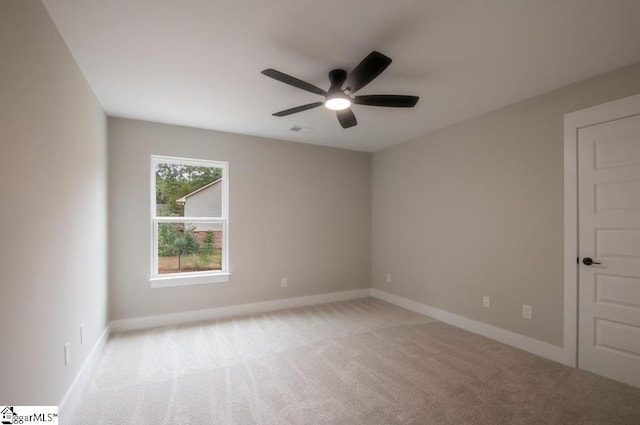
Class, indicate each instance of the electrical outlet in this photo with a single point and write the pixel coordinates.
(527, 311)
(486, 302)
(388, 277)
(284, 282)
(67, 354)
(82, 333)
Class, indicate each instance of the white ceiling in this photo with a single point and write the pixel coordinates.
(197, 62)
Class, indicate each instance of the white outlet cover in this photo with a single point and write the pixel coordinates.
(388, 277)
(67, 354)
(527, 311)
(486, 302)
(284, 282)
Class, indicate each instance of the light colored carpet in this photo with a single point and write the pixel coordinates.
(356, 362)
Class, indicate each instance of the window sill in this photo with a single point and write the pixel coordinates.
(189, 280)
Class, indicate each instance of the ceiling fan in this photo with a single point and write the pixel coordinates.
(339, 96)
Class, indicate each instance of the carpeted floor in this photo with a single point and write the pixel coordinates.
(356, 362)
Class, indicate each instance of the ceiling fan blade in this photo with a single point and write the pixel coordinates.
(292, 81)
(346, 118)
(298, 109)
(389, 100)
(367, 70)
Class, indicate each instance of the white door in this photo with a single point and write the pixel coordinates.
(609, 233)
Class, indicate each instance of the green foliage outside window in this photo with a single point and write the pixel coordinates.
(166, 239)
(172, 242)
(207, 246)
(173, 181)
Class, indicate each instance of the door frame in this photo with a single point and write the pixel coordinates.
(574, 121)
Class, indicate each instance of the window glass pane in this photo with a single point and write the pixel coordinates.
(189, 247)
(188, 191)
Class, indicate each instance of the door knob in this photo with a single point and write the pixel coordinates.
(587, 261)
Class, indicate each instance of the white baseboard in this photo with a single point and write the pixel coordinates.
(234, 310)
(72, 396)
(534, 346)
(531, 345)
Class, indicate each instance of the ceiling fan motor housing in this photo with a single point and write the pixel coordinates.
(337, 77)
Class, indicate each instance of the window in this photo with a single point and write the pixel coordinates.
(189, 207)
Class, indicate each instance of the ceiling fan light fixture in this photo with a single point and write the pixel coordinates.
(337, 103)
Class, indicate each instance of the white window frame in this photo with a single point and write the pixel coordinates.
(189, 278)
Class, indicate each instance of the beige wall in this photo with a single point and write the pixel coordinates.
(53, 216)
(296, 211)
(477, 209)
